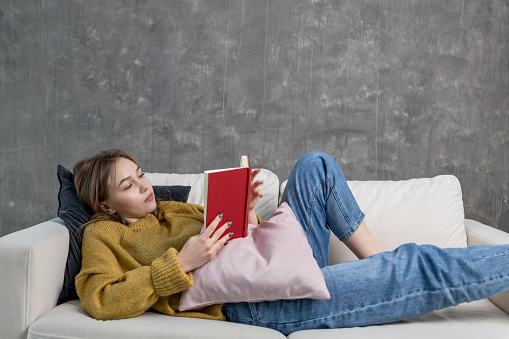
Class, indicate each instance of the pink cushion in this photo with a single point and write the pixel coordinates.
(273, 262)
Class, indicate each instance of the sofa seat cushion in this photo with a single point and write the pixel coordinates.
(264, 208)
(478, 319)
(69, 320)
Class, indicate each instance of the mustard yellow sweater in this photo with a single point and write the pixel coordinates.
(126, 270)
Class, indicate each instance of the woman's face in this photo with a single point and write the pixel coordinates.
(130, 193)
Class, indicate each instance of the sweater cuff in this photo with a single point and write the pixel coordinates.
(167, 274)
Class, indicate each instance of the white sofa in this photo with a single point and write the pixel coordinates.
(32, 263)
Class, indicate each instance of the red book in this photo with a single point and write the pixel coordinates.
(227, 191)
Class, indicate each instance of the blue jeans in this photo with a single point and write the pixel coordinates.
(390, 286)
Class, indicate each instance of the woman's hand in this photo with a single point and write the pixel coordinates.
(254, 194)
(201, 248)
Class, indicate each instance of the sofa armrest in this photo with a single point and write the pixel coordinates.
(32, 262)
(480, 234)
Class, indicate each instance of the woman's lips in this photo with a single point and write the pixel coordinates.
(150, 197)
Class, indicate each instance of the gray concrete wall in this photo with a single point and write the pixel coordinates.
(391, 89)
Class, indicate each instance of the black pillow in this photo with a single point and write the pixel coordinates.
(172, 193)
(74, 214)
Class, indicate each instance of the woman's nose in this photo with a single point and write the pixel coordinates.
(143, 186)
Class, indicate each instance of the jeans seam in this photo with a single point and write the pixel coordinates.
(252, 310)
(491, 256)
(352, 226)
(310, 210)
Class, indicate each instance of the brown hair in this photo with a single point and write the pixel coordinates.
(91, 181)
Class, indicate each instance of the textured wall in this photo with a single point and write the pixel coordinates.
(392, 89)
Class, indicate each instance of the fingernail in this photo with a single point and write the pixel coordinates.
(221, 216)
(230, 235)
(229, 223)
(226, 243)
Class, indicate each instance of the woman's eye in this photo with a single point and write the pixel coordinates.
(142, 174)
(129, 186)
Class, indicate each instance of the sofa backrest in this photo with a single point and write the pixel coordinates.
(421, 211)
(264, 208)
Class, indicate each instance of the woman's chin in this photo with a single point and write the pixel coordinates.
(153, 205)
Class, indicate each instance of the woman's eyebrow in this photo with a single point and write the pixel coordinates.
(127, 178)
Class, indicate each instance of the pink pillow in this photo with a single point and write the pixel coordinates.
(273, 262)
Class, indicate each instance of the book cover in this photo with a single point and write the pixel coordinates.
(227, 191)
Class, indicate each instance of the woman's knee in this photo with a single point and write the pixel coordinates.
(317, 161)
(315, 158)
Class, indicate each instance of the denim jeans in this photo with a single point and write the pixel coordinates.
(390, 286)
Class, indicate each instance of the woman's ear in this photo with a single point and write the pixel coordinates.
(106, 207)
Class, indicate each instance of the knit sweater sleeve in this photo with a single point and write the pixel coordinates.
(113, 286)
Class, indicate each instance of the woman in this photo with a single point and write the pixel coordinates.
(138, 254)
